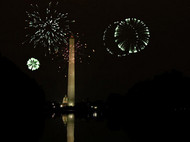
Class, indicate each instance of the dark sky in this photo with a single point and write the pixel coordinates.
(168, 22)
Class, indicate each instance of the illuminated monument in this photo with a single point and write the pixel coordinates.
(71, 73)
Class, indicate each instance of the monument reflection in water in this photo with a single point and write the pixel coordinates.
(69, 120)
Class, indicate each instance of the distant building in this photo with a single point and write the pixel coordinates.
(65, 101)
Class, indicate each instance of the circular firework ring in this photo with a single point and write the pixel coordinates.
(131, 35)
(109, 40)
(125, 37)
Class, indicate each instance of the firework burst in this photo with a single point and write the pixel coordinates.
(48, 28)
(126, 37)
(33, 64)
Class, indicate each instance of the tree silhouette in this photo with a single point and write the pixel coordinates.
(22, 103)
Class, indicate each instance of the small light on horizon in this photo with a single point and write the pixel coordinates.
(71, 104)
(95, 114)
(95, 107)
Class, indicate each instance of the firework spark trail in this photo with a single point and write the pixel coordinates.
(82, 53)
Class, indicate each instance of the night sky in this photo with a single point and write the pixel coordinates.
(168, 22)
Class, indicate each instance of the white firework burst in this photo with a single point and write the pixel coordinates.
(33, 64)
(45, 28)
